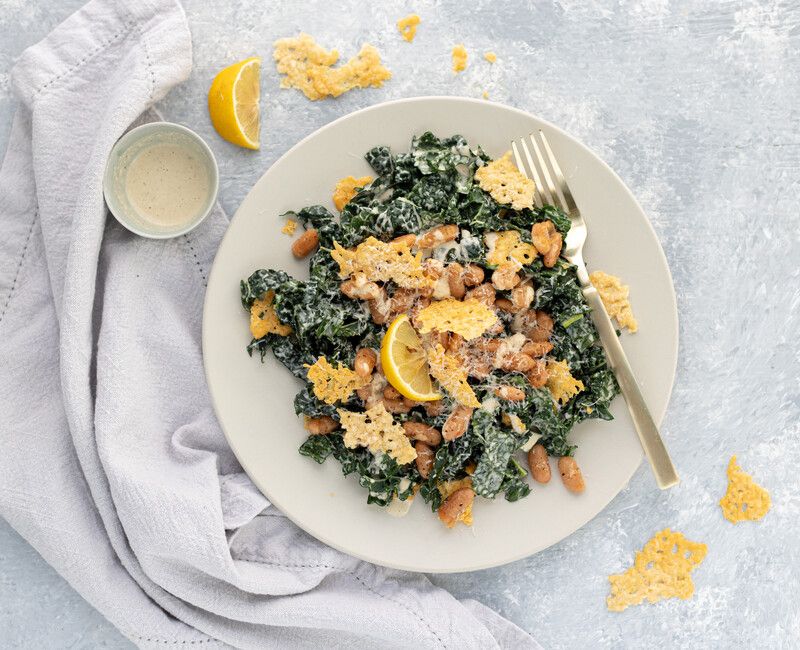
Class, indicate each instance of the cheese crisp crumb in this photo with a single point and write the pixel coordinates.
(506, 184)
(333, 384)
(745, 499)
(408, 26)
(491, 57)
(459, 58)
(264, 320)
(506, 246)
(289, 228)
(346, 189)
(446, 488)
(662, 569)
(485, 94)
(560, 382)
(469, 318)
(376, 430)
(614, 295)
(448, 370)
(309, 68)
(382, 261)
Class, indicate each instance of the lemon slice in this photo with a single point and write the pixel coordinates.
(233, 103)
(404, 362)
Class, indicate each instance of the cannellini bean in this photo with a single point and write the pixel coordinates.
(395, 406)
(425, 458)
(305, 243)
(484, 293)
(521, 297)
(571, 474)
(433, 409)
(365, 362)
(536, 349)
(455, 506)
(455, 280)
(365, 290)
(504, 304)
(539, 463)
(537, 376)
(473, 275)
(321, 425)
(421, 431)
(505, 277)
(547, 241)
(510, 393)
(408, 240)
(516, 362)
(390, 392)
(457, 423)
(438, 235)
(537, 326)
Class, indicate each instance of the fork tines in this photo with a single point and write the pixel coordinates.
(551, 186)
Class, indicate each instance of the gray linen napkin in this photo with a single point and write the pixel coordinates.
(114, 467)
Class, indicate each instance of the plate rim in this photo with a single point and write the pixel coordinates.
(624, 477)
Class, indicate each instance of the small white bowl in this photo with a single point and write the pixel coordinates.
(125, 151)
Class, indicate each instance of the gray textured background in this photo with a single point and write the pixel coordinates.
(695, 105)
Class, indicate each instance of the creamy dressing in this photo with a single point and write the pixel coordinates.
(167, 185)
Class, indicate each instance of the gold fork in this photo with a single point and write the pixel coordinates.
(552, 189)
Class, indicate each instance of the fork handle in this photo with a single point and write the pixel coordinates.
(646, 428)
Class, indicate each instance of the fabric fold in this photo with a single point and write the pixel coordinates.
(115, 467)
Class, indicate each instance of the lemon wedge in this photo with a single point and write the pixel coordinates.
(233, 103)
(404, 361)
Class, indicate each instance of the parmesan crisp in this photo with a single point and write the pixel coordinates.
(469, 318)
(560, 382)
(376, 430)
(459, 58)
(334, 384)
(309, 68)
(745, 499)
(450, 372)
(506, 184)
(408, 26)
(264, 320)
(290, 227)
(382, 261)
(507, 246)
(346, 189)
(614, 295)
(662, 569)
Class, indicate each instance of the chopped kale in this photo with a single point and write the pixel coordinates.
(432, 184)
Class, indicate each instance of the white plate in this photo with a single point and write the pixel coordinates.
(254, 401)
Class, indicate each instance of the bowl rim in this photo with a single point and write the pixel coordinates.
(128, 139)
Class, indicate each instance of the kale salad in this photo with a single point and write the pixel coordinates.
(443, 343)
